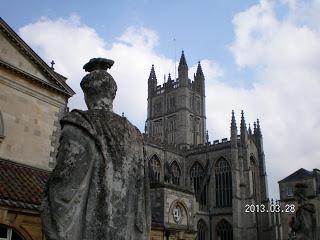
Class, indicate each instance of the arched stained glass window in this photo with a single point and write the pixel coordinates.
(223, 183)
(176, 173)
(155, 165)
(224, 230)
(202, 230)
(196, 177)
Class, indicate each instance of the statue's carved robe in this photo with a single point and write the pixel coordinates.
(305, 222)
(99, 188)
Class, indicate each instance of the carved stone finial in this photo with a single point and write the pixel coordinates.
(52, 63)
(98, 64)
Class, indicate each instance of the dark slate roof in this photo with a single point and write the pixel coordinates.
(298, 175)
(21, 186)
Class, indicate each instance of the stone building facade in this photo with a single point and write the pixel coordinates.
(200, 188)
(287, 186)
(32, 99)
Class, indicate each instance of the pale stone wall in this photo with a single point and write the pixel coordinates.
(156, 234)
(26, 223)
(11, 55)
(30, 114)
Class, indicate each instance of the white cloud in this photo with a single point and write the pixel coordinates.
(72, 44)
(283, 52)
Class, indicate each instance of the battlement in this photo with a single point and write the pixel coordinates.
(174, 84)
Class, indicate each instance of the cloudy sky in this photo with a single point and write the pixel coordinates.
(259, 56)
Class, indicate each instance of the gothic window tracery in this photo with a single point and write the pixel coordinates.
(254, 176)
(196, 177)
(202, 230)
(176, 173)
(223, 183)
(171, 103)
(171, 127)
(157, 107)
(157, 129)
(155, 165)
(224, 230)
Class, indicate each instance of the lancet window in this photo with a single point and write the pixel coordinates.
(196, 178)
(202, 230)
(224, 230)
(176, 173)
(223, 179)
(196, 175)
(156, 168)
(254, 177)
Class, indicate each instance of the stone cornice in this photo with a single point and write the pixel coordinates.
(28, 52)
(31, 92)
(32, 78)
(171, 187)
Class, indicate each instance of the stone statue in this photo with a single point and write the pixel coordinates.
(99, 188)
(304, 224)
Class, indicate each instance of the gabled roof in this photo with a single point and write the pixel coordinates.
(21, 186)
(297, 175)
(57, 81)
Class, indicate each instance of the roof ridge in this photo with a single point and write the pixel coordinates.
(298, 174)
(18, 164)
(63, 86)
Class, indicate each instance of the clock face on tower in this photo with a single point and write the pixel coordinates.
(177, 213)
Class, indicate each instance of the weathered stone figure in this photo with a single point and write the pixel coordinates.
(304, 224)
(99, 188)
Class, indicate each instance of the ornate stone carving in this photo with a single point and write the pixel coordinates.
(304, 224)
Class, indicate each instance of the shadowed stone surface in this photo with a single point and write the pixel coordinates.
(304, 224)
(99, 188)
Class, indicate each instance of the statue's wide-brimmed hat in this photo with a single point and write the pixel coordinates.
(98, 64)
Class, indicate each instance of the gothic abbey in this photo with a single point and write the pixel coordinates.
(198, 186)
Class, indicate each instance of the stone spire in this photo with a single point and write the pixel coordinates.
(249, 130)
(207, 137)
(152, 81)
(199, 79)
(152, 76)
(233, 121)
(169, 77)
(234, 131)
(243, 121)
(183, 67)
(254, 128)
(258, 128)
(243, 130)
(199, 74)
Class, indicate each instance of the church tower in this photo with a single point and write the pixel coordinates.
(176, 110)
